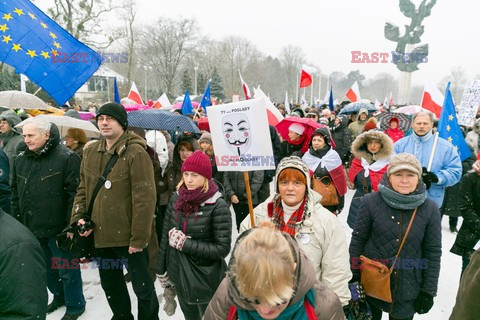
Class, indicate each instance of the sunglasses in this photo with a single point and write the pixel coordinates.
(311, 116)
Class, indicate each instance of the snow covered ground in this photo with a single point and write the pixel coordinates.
(98, 309)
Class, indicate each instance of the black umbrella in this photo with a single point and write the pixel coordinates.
(355, 107)
(384, 119)
(154, 119)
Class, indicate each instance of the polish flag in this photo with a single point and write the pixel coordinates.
(273, 115)
(306, 77)
(353, 94)
(432, 99)
(134, 94)
(162, 103)
(246, 90)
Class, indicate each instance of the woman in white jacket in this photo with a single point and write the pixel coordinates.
(295, 208)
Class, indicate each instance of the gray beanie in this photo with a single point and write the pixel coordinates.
(206, 137)
(404, 161)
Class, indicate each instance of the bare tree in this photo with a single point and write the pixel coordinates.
(458, 79)
(165, 46)
(292, 58)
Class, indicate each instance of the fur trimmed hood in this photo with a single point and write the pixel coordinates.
(359, 146)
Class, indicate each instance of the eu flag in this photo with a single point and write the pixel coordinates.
(116, 95)
(187, 104)
(38, 47)
(448, 127)
(206, 99)
(330, 101)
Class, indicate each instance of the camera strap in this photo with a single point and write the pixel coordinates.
(101, 181)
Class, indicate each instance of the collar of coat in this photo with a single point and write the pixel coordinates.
(424, 138)
(120, 146)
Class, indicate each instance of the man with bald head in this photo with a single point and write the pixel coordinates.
(446, 167)
(44, 181)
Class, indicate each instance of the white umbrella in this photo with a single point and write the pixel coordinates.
(64, 123)
(409, 109)
(18, 99)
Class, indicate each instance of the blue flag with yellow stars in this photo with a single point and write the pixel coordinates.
(206, 99)
(449, 129)
(38, 47)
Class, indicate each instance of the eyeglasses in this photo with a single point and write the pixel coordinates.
(311, 116)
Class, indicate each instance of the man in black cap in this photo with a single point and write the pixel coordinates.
(122, 211)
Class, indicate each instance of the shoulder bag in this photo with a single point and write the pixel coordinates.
(375, 276)
(326, 188)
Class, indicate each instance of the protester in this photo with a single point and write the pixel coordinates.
(206, 146)
(22, 272)
(197, 223)
(122, 211)
(372, 151)
(157, 141)
(469, 205)
(292, 146)
(393, 130)
(446, 168)
(357, 126)
(295, 208)
(75, 140)
(467, 306)
(5, 191)
(325, 165)
(44, 182)
(11, 139)
(472, 137)
(342, 137)
(381, 223)
(272, 278)
(235, 190)
(313, 114)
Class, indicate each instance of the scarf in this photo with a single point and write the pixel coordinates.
(189, 201)
(300, 140)
(297, 311)
(275, 212)
(331, 160)
(402, 201)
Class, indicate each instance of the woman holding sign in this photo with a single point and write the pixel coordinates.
(295, 209)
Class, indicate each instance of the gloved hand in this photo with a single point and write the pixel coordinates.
(176, 238)
(164, 282)
(423, 303)
(428, 177)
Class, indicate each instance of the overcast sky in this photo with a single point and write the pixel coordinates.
(328, 31)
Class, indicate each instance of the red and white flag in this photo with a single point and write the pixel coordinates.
(162, 103)
(353, 94)
(246, 90)
(306, 77)
(134, 94)
(273, 115)
(432, 99)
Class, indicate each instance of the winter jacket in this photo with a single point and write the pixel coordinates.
(467, 306)
(209, 232)
(44, 185)
(356, 173)
(23, 279)
(378, 231)
(327, 305)
(356, 127)
(287, 150)
(123, 213)
(12, 141)
(342, 136)
(157, 141)
(446, 164)
(469, 205)
(234, 184)
(395, 134)
(451, 200)
(5, 191)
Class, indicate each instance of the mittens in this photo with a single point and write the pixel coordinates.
(163, 280)
(176, 238)
(423, 303)
(428, 177)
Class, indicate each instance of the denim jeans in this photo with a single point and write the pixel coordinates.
(63, 280)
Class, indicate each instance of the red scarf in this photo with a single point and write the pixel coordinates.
(275, 212)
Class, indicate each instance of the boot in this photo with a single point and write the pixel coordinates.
(453, 229)
(54, 305)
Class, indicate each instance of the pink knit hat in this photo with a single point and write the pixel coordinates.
(199, 163)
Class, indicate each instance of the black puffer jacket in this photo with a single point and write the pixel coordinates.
(44, 185)
(342, 136)
(469, 202)
(378, 232)
(22, 272)
(210, 232)
(234, 184)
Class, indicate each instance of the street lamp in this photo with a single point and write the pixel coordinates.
(195, 80)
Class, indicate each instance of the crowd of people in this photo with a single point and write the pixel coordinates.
(156, 201)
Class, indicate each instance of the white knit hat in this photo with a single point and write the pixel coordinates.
(297, 128)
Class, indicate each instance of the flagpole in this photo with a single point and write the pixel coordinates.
(311, 91)
(298, 86)
(320, 86)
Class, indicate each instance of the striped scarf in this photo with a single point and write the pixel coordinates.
(275, 213)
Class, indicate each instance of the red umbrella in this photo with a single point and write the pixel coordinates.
(309, 124)
(203, 124)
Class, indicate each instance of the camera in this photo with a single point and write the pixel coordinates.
(85, 227)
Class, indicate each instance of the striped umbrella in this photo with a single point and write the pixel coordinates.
(156, 119)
